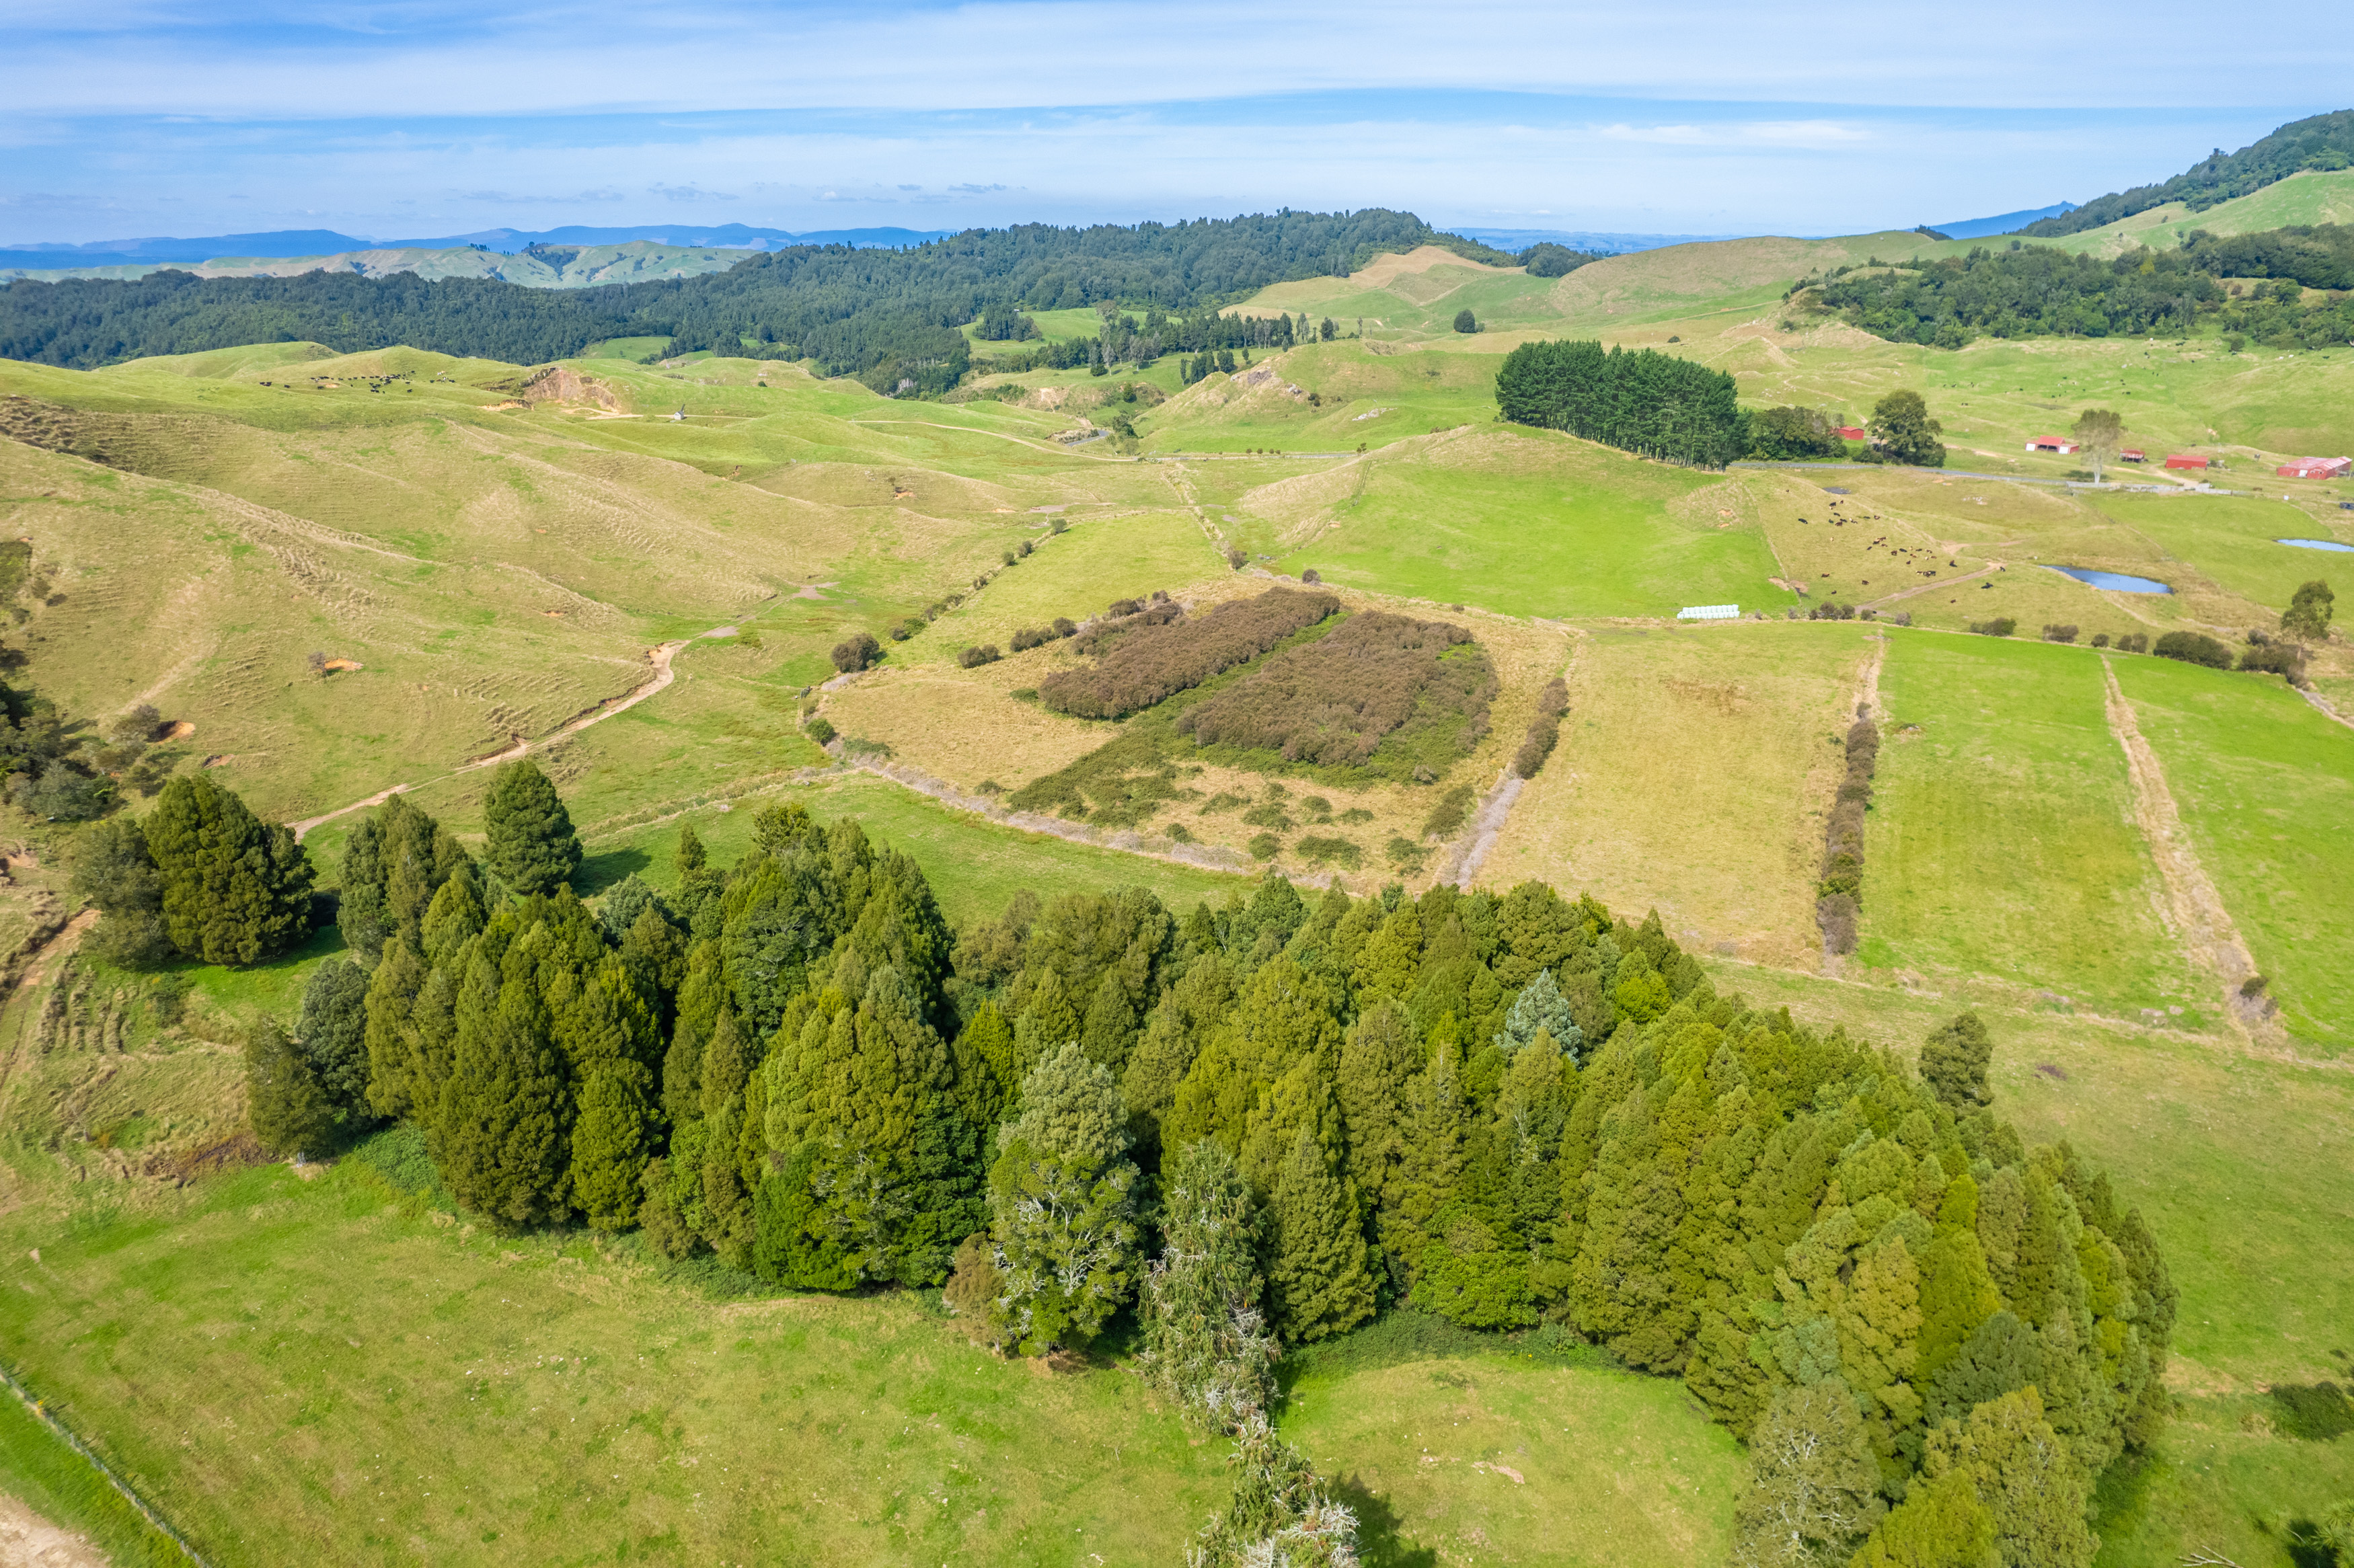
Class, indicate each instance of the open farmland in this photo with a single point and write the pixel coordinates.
(495, 560)
(2002, 847)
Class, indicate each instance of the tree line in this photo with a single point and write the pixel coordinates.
(2035, 291)
(884, 315)
(1256, 1125)
(1644, 401)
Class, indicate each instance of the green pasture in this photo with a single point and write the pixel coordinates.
(2001, 844)
(296, 1370)
(1527, 523)
(2266, 786)
(2231, 540)
(2241, 1167)
(39, 1470)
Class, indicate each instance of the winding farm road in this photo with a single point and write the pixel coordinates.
(659, 658)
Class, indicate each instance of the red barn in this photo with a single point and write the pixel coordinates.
(1851, 433)
(2316, 468)
(2180, 460)
(2051, 444)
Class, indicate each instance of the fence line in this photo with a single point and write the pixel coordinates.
(41, 1413)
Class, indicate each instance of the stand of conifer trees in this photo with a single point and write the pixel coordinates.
(1263, 1124)
(1645, 402)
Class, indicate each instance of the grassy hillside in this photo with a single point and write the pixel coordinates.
(499, 558)
(2311, 197)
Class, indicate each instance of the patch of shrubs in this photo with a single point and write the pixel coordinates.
(1125, 616)
(1334, 700)
(1839, 894)
(1404, 855)
(1235, 559)
(2053, 633)
(856, 652)
(1452, 809)
(1545, 730)
(1030, 637)
(1331, 850)
(1265, 846)
(2000, 626)
(1832, 612)
(2194, 648)
(1157, 661)
(2273, 656)
(819, 730)
(975, 657)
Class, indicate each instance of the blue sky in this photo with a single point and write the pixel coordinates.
(146, 117)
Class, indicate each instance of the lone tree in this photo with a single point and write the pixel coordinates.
(1954, 1061)
(1905, 433)
(2099, 433)
(533, 848)
(2307, 615)
(856, 652)
(1465, 321)
(235, 889)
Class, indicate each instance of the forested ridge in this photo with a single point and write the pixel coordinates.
(2323, 142)
(888, 315)
(1259, 1126)
(2252, 284)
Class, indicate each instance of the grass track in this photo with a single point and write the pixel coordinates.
(2001, 841)
(2266, 786)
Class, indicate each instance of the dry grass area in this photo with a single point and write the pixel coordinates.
(965, 726)
(1694, 775)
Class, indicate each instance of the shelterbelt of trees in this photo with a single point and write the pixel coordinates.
(884, 315)
(1270, 1121)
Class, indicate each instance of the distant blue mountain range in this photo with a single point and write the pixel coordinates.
(2000, 223)
(327, 242)
(1591, 243)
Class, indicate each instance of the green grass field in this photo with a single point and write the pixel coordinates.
(497, 566)
(1524, 522)
(346, 1377)
(2001, 847)
(2266, 786)
(38, 1470)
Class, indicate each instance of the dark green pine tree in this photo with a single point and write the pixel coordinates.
(1317, 1283)
(395, 862)
(532, 847)
(1940, 1525)
(289, 1112)
(234, 890)
(612, 1140)
(1954, 1061)
(498, 1138)
(332, 1029)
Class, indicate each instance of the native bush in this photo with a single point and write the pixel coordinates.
(2133, 642)
(2001, 626)
(1334, 701)
(975, 657)
(2053, 633)
(1839, 890)
(856, 652)
(1156, 662)
(1545, 730)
